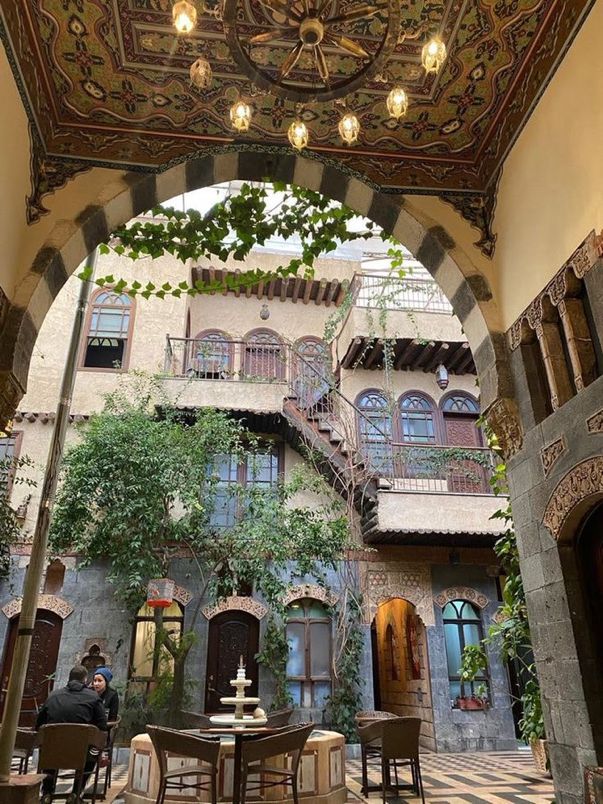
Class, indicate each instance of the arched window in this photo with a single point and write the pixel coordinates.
(309, 662)
(462, 627)
(417, 419)
(145, 664)
(108, 335)
(55, 576)
(460, 413)
(312, 367)
(9, 453)
(211, 356)
(375, 429)
(264, 356)
(460, 403)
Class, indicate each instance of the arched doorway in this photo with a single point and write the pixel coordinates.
(232, 635)
(401, 678)
(42, 666)
(590, 564)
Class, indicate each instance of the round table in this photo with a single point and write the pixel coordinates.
(321, 772)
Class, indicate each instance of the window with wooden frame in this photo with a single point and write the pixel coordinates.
(10, 446)
(375, 430)
(313, 375)
(462, 627)
(211, 356)
(108, 332)
(232, 475)
(146, 662)
(264, 356)
(460, 413)
(417, 421)
(309, 635)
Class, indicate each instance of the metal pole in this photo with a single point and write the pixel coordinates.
(35, 570)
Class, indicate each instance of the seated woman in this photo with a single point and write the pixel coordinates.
(100, 682)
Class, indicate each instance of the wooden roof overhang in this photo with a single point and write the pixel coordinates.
(410, 353)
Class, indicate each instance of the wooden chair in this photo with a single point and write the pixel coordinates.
(290, 740)
(189, 746)
(25, 742)
(106, 758)
(278, 718)
(370, 749)
(400, 746)
(65, 747)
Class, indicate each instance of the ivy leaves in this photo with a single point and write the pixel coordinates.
(233, 228)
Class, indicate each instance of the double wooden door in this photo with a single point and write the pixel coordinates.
(464, 476)
(232, 634)
(42, 665)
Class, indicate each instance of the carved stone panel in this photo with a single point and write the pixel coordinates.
(389, 580)
(236, 603)
(550, 454)
(461, 593)
(595, 423)
(309, 590)
(583, 481)
(47, 602)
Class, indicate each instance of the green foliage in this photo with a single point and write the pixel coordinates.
(233, 228)
(9, 524)
(274, 655)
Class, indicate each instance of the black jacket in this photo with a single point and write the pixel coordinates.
(74, 703)
(110, 701)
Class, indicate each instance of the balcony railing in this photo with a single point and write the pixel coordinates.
(443, 469)
(393, 293)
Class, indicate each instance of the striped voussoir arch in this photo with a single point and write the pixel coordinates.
(133, 193)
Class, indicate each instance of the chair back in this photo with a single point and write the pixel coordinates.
(113, 725)
(183, 745)
(278, 718)
(400, 738)
(64, 746)
(371, 732)
(368, 715)
(25, 741)
(195, 720)
(291, 740)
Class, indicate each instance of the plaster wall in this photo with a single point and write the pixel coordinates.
(399, 324)
(550, 194)
(420, 511)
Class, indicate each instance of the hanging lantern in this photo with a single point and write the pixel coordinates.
(298, 134)
(160, 593)
(433, 55)
(240, 116)
(397, 102)
(349, 128)
(184, 16)
(201, 74)
(441, 374)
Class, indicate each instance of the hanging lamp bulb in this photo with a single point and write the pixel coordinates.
(184, 16)
(201, 73)
(433, 55)
(349, 128)
(397, 102)
(298, 134)
(240, 116)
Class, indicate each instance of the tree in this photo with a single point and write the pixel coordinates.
(139, 487)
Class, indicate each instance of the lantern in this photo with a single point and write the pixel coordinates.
(298, 134)
(441, 374)
(349, 128)
(200, 73)
(184, 16)
(433, 55)
(160, 593)
(397, 102)
(240, 116)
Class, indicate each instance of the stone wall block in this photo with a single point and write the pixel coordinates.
(532, 573)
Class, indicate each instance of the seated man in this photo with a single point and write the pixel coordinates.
(75, 703)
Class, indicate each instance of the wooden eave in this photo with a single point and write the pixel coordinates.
(410, 354)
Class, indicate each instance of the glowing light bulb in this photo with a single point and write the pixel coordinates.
(349, 128)
(433, 55)
(397, 102)
(298, 134)
(184, 16)
(240, 116)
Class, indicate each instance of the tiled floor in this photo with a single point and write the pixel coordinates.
(502, 778)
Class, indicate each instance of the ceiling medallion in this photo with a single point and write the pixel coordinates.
(319, 51)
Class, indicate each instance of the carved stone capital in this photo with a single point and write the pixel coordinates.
(503, 417)
(583, 481)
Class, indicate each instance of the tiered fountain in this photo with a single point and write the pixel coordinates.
(239, 701)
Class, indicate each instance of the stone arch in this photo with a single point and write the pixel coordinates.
(236, 603)
(182, 595)
(52, 603)
(578, 491)
(312, 590)
(71, 240)
(415, 596)
(461, 593)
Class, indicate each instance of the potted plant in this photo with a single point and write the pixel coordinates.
(467, 702)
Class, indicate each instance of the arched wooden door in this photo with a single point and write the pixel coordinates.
(42, 665)
(232, 634)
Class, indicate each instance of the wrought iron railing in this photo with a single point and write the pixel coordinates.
(444, 469)
(388, 292)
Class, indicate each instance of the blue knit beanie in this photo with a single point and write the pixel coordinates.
(105, 672)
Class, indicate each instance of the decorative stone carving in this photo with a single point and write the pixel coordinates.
(95, 654)
(478, 209)
(461, 593)
(595, 423)
(182, 595)
(499, 616)
(583, 481)
(550, 455)
(312, 590)
(47, 602)
(503, 418)
(412, 582)
(236, 603)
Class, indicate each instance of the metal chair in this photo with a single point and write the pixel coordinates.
(65, 746)
(195, 720)
(369, 715)
(106, 758)
(188, 746)
(278, 718)
(25, 742)
(290, 740)
(370, 749)
(400, 746)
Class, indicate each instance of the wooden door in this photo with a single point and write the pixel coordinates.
(231, 635)
(464, 476)
(42, 665)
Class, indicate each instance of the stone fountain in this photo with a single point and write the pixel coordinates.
(239, 701)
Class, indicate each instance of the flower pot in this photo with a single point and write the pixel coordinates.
(540, 755)
(472, 703)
